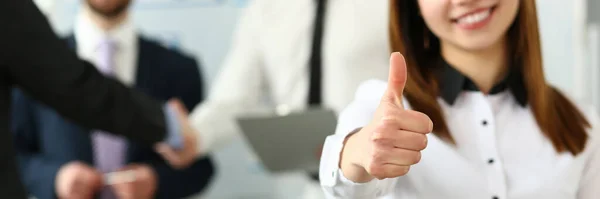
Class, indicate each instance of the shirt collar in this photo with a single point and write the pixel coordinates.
(89, 36)
(452, 83)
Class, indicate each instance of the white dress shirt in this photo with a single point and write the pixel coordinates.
(268, 64)
(500, 153)
(89, 37)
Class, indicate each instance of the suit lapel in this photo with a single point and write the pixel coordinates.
(145, 60)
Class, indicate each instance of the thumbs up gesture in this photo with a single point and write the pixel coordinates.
(392, 141)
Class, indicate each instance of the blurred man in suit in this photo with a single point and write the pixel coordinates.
(54, 153)
(41, 65)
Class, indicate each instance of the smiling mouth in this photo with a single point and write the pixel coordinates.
(475, 17)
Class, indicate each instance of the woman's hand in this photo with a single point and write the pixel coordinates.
(393, 140)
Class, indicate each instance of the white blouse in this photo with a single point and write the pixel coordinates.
(500, 154)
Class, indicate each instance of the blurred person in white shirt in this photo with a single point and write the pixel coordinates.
(271, 64)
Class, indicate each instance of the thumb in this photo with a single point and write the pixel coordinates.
(396, 79)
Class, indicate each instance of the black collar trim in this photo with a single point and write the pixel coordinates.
(452, 83)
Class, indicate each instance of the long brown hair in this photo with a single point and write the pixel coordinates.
(556, 116)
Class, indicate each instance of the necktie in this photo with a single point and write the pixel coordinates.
(109, 150)
(315, 97)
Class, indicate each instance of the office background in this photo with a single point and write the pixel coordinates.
(570, 39)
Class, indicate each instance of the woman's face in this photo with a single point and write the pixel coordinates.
(469, 24)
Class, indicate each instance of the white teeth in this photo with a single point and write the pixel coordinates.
(474, 18)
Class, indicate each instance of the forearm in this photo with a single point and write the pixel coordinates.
(216, 120)
(215, 127)
(74, 88)
(350, 169)
(238, 90)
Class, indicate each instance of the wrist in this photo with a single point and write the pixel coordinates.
(350, 159)
(347, 153)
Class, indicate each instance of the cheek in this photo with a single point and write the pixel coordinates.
(510, 10)
(439, 26)
(504, 17)
(433, 13)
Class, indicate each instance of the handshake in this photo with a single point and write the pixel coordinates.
(185, 156)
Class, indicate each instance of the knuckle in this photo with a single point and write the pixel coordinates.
(404, 170)
(408, 157)
(430, 126)
(375, 155)
(374, 170)
(421, 120)
(378, 157)
(416, 158)
(426, 121)
(422, 116)
(398, 171)
(390, 111)
(378, 135)
(422, 142)
(380, 173)
(388, 120)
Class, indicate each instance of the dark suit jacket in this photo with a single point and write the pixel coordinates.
(33, 58)
(45, 141)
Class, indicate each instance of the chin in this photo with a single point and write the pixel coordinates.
(478, 43)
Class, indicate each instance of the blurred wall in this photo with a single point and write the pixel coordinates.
(562, 25)
(593, 22)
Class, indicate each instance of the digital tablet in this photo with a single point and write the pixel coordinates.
(289, 142)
